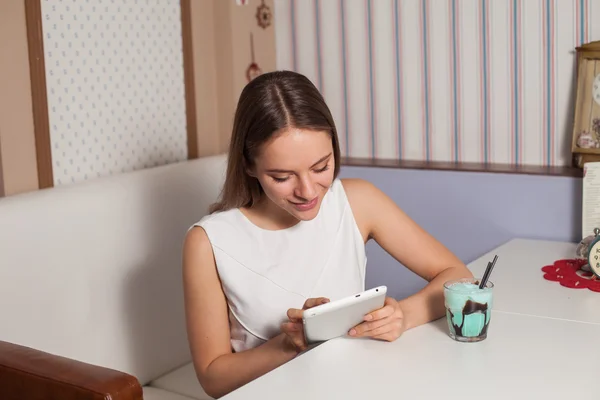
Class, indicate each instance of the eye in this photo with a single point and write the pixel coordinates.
(280, 179)
(325, 168)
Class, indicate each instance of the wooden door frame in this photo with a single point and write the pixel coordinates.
(2, 190)
(39, 95)
(35, 39)
(188, 72)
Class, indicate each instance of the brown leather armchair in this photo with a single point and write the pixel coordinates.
(30, 374)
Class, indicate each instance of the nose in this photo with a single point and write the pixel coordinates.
(305, 189)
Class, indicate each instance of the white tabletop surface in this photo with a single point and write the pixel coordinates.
(542, 343)
(523, 357)
(520, 287)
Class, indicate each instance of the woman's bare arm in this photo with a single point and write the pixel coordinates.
(219, 370)
(380, 218)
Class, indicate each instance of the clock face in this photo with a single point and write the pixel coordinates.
(596, 89)
(594, 257)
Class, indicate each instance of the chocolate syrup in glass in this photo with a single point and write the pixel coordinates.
(471, 307)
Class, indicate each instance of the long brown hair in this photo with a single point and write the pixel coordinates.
(269, 104)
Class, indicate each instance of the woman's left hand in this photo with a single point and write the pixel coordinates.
(386, 323)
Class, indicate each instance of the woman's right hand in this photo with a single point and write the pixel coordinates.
(293, 329)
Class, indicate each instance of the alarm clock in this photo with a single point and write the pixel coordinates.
(593, 254)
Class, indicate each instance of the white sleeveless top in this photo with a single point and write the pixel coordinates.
(266, 272)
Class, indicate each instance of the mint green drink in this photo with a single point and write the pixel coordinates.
(468, 309)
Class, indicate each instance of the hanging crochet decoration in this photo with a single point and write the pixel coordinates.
(263, 15)
(253, 69)
(582, 272)
(569, 273)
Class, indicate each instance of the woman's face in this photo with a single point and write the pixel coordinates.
(295, 170)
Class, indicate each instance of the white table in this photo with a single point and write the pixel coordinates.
(519, 286)
(535, 348)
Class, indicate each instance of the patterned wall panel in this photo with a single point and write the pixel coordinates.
(116, 94)
(448, 80)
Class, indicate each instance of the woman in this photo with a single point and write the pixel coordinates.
(287, 235)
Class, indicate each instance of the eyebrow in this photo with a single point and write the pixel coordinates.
(283, 171)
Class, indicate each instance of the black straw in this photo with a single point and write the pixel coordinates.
(488, 272)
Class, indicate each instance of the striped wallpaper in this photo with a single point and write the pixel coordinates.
(445, 80)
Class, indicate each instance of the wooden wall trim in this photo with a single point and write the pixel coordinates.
(35, 39)
(2, 190)
(188, 71)
(463, 166)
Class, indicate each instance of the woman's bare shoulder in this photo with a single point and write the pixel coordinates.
(196, 237)
(361, 195)
(357, 186)
(197, 251)
(360, 192)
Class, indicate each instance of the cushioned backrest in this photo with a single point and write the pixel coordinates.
(92, 271)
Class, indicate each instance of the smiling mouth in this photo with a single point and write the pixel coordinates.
(306, 205)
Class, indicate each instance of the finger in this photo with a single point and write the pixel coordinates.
(299, 342)
(381, 330)
(384, 312)
(366, 327)
(295, 314)
(295, 333)
(291, 327)
(313, 302)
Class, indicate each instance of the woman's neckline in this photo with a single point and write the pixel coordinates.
(260, 228)
(291, 228)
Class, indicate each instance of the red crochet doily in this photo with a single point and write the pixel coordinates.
(568, 273)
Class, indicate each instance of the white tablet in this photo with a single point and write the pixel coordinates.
(336, 318)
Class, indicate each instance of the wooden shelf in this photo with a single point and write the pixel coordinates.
(463, 166)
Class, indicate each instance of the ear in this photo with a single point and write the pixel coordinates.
(249, 169)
